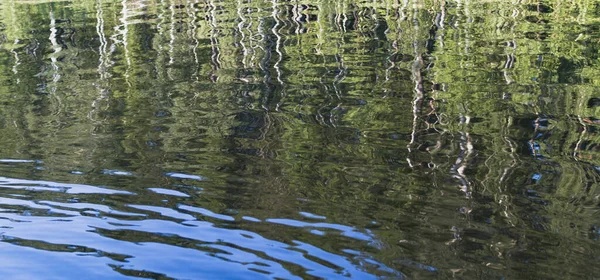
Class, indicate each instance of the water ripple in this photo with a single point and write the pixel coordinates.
(58, 187)
(214, 247)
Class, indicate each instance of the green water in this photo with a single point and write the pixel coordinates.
(202, 139)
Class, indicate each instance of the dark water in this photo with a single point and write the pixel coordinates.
(201, 139)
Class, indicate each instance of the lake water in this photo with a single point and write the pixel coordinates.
(205, 139)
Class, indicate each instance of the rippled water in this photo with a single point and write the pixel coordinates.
(208, 139)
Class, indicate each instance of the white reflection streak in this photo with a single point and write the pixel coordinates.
(161, 21)
(277, 43)
(102, 37)
(510, 57)
(337, 17)
(15, 70)
(263, 64)
(102, 50)
(345, 20)
(466, 149)
(418, 89)
(252, 40)
(295, 17)
(54, 61)
(469, 21)
(390, 59)
(57, 48)
(510, 60)
(402, 9)
(342, 69)
(16, 55)
(214, 42)
(172, 32)
(578, 144)
(125, 24)
(171, 39)
(321, 33)
(503, 199)
(242, 34)
(441, 24)
(193, 14)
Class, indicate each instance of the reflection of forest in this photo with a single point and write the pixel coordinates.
(387, 109)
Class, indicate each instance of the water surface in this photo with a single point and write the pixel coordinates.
(202, 139)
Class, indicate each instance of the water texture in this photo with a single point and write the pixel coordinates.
(204, 139)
